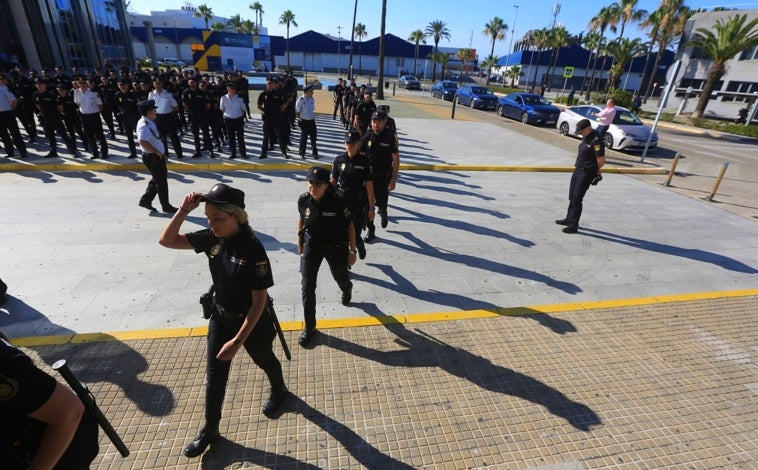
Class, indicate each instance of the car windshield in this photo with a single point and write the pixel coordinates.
(585, 111)
(410, 78)
(626, 118)
(480, 90)
(449, 85)
(535, 99)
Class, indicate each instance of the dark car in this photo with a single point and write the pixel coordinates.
(478, 97)
(529, 108)
(445, 90)
(409, 82)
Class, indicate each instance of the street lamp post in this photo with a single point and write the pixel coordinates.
(513, 33)
(339, 38)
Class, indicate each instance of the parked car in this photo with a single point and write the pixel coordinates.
(478, 97)
(626, 132)
(409, 82)
(530, 108)
(445, 90)
(171, 62)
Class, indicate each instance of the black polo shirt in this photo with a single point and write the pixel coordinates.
(379, 149)
(327, 220)
(351, 174)
(590, 148)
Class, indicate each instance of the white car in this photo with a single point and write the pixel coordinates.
(626, 132)
(171, 62)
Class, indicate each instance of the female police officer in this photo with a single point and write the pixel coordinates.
(352, 176)
(241, 275)
(325, 230)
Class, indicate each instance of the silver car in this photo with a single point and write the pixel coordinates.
(626, 132)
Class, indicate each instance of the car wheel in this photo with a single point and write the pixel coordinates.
(471, 104)
(499, 111)
(524, 118)
(608, 141)
(564, 128)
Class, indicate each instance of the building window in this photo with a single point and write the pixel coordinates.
(740, 87)
(749, 54)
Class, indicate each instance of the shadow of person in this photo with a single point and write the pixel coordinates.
(104, 359)
(225, 453)
(424, 350)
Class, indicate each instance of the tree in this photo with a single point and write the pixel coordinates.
(360, 33)
(559, 37)
(605, 19)
(488, 63)
(218, 26)
(541, 39)
(382, 29)
(673, 17)
(651, 22)
(204, 12)
(258, 9)
(235, 22)
(496, 30)
(623, 51)
(416, 37)
(464, 55)
(436, 30)
(627, 11)
(513, 73)
(731, 38)
(249, 27)
(590, 41)
(287, 19)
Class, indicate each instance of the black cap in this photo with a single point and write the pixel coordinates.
(379, 115)
(41, 80)
(308, 88)
(385, 108)
(223, 194)
(581, 125)
(145, 106)
(229, 84)
(318, 173)
(352, 137)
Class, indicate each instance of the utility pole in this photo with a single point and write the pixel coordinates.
(339, 38)
(556, 10)
(513, 33)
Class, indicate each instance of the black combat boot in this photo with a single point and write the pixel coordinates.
(208, 435)
(275, 401)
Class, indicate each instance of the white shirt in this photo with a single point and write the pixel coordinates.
(164, 101)
(232, 107)
(148, 131)
(89, 102)
(6, 99)
(306, 107)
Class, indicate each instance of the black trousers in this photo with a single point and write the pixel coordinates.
(25, 113)
(580, 183)
(336, 256)
(158, 184)
(93, 132)
(308, 130)
(272, 131)
(198, 123)
(10, 134)
(235, 130)
(381, 196)
(166, 124)
(53, 124)
(259, 346)
(107, 114)
(338, 107)
(74, 127)
(129, 126)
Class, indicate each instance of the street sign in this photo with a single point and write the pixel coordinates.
(568, 72)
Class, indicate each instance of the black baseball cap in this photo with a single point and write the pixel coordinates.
(145, 106)
(318, 174)
(581, 125)
(352, 137)
(223, 194)
(379, 115)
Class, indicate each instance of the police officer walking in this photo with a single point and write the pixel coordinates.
(154, 158)
(363, 112)
(126, 103)
(305, 110)
(379, 144)
(589, 160)
(338, 93)
(234, 109)
(166, 109)
(325, 231)
(241, 274)
(353, 178)
(9, 132)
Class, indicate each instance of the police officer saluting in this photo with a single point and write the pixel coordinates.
(353, 178)
(325, 231)
(154, 158)
(380, 146)
(590, 158)
(234, 109)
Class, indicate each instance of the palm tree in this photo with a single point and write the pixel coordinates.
(204, 12)
(627, 11)
(673, 17)
(559, 37)
(360, 33)
(623, 51)
(464, 55)
(235, 22)
(258, 9)
(218, 26)
(287, 19)
(541, 41)
(731, 38)
(436, 30)
(416, 37)
(489, 62)
(590, 41)
(605, 19)
(652, 22)
(249, 27)
(382, 29)
(513, 73)
(496, 30)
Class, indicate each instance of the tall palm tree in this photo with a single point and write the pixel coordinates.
(258, 9)
(287, 19)
(360, 32)
(627, 11)
(623, 51)
(416, 37)
(514, 72)
(559, 37)
(590, 41)
(605, 19)
(731, 38)
(436, 30)
(249, 27)
(464, 55)
(496, 30)
(235, 22)
(653, 23)
(382, 28)
(541, 39)
(673, 17)
(205, 12)
(218, 26)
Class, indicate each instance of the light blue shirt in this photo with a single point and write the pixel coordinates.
(306, 107)
(6, 99)
(148, 131)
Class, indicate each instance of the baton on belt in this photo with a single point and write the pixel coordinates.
(278, 327)
(89, 403)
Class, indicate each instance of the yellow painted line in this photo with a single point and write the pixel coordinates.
(356, 322)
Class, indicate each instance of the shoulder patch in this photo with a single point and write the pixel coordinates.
(8, 388)
(597, 147)
(261, 268)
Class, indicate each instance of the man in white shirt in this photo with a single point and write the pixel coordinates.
(166, 109)
(9, 132)
(90, 106)
(305, 111)
(154, 158)
(235, 110)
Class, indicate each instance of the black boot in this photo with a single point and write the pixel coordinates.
(208, 435)
(275, 400)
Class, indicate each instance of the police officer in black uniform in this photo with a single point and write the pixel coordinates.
(353, 178)
(47, 104)
(271, 104)
(23, 87)
(70, 114)
(380, 145)
(363, 113)
(325, 231)
(107, 93)
(126, 101)
(197, 105)
(338, 93)
(589, 160)
(241, 274)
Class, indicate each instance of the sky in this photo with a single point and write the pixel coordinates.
(464, 22)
